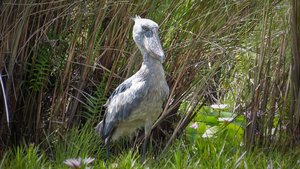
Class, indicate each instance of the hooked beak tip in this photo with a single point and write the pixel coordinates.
(162, 58)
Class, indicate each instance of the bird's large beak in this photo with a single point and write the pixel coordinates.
(154, 46)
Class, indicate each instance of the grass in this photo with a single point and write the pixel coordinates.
(238, 52)
(221, 151)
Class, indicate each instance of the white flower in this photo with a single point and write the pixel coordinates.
(76, 162)
(73, 162)
(219, 106)
(210, 132)
(225, 119)
(194, 126)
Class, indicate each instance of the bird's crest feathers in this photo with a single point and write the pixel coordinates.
(136, 17)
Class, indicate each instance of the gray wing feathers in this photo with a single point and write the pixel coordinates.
(121, 103)
(121, 88)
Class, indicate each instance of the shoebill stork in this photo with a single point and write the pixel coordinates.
(138, 101)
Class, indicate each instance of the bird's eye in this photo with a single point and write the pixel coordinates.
(145, 28)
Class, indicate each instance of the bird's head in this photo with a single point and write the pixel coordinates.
(145, 35)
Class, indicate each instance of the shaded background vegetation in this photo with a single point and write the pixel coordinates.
(60, 60)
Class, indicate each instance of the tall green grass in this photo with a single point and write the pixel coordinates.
(60, 60)
(55, 53)
(219, 152)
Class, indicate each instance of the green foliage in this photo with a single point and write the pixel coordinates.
(77, 143)
(210, 123)
(216, 152)
(195, 133)
(94, 103)
(24, 157)
(40, 67)
(47, 61)
(219, 48)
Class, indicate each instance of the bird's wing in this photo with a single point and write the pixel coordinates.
(121, 103)
(121, 88)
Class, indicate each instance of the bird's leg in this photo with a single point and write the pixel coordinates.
(107, 142)
(147, 135)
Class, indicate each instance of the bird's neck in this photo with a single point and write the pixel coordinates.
(150, 61)
(151, 65)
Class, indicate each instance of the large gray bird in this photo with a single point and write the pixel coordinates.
(138, 101)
